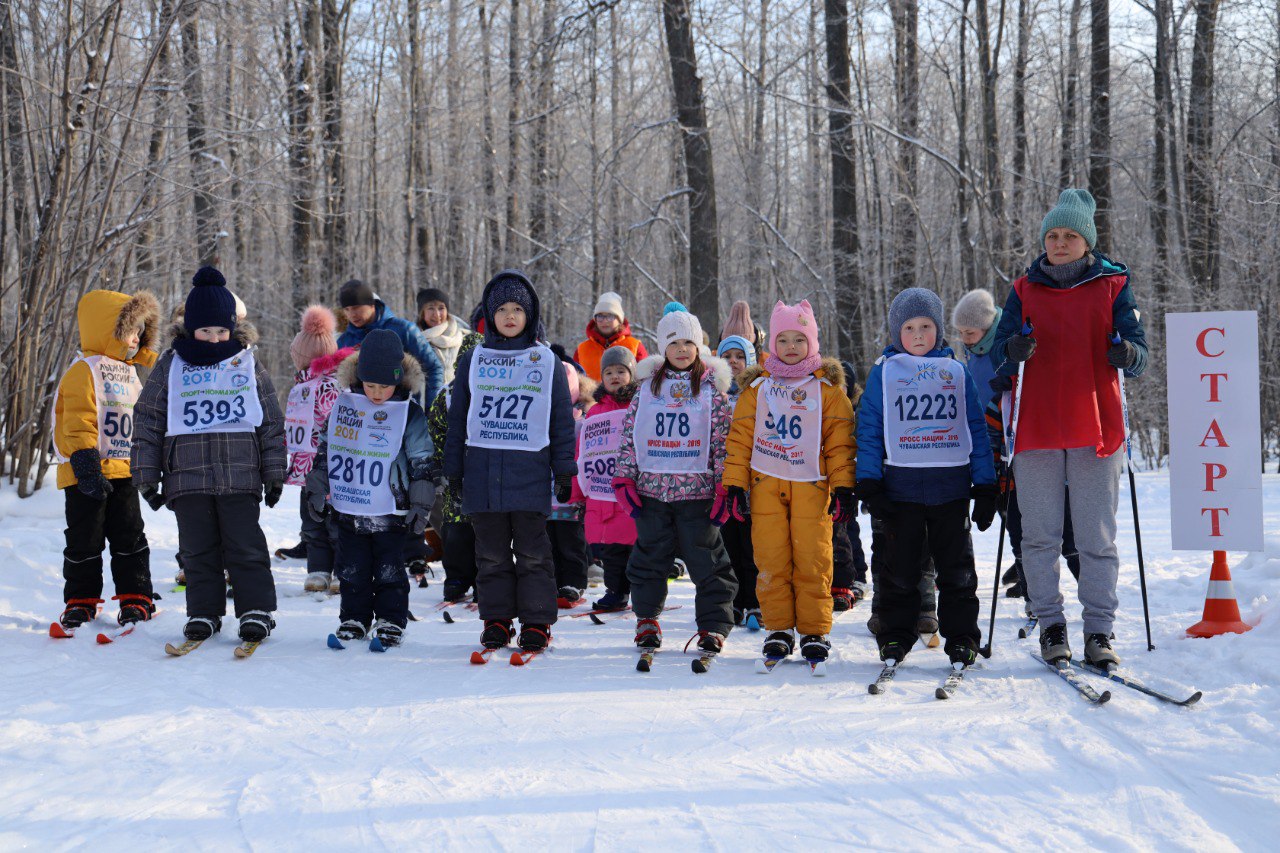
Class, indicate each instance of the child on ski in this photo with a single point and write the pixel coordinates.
(92, 433)
(316, 357)
(208, 442)
(1071, 426)
(565, 527)
(791, 451)
(373, 473)
(610, 529)
(671, 457)
(922, 453)
(740, 353)
(510, 436)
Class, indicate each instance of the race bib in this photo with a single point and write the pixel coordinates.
(220, 397)
(364, 441)
(925, 423)
(598, 457)
(511, 398)
(788, 435)
(672, 430)
(299, 416)
(116, 389)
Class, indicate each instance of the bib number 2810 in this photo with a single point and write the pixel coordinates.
(205, 412)
(348, 470)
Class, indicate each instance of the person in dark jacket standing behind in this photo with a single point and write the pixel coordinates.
(208, 429)
(510, 436)
(1071, 425)
(365, 312)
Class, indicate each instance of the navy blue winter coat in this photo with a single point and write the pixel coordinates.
(410, 336)
(508, 480)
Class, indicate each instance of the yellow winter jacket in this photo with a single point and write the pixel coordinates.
(839, 447)
(105, 317)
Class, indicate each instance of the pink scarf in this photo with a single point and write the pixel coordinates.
(803, 367)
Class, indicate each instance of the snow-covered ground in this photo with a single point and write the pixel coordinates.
(122, 747)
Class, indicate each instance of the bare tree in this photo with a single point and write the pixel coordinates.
(1202, 219)
(1100, 116)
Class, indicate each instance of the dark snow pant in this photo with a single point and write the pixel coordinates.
(320, 537)
(415, 547)
(90, 526)
(855, 543)
(742, 556)
(222, 530)
(569, 553)
(613, 559)
(880, 561)
(842, 569)
(684, 527)
(915, 531)
(372, 577)
(459, 558)
(515, 577)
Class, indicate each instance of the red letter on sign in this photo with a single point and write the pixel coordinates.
(1215, 529)
(1216, 432)
(1200, 342)
(1213, 471)
(1213, 385)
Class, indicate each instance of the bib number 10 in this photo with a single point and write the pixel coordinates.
(348, 470)
(295, 434)
(926, 407)
(671, 424)
(508, 407)
(205, 412)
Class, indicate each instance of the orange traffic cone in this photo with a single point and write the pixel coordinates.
(1221, 613)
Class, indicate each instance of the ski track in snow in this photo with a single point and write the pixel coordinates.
(301, 747)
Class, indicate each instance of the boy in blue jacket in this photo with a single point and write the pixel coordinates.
(922, 453)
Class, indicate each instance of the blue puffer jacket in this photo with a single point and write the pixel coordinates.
(930, 486)
(414, 344)
(508, 480)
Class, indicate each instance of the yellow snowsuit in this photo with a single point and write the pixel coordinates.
(790, 524)
(105, 317)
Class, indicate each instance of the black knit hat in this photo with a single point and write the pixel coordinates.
(509, 289)
(209, 303)
(431, 294)
(355, 292)
(380, 358)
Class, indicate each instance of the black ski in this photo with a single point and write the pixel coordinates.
(1069, 675)
(702, 663)
(881, 684)
(1027, 627)
(1138, 685)
(646, 660)
(952, 683)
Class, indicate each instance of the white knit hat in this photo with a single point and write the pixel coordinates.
(975, 310)
(610, 303)
(678, 326)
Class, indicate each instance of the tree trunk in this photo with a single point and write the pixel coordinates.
(988, 67)
(333, 31)
(300, 58)
(704, 238)
(1159, 209)
(1100, 117)
(204, 202)
(845, 260)
(757, 271)
(515, 86)
(968, 264)
(1020, 112)
(418, 247)
(1202, 218)
(455, 248)
(488, 156)
(540, 181)
(1067, 153)
(906, 78)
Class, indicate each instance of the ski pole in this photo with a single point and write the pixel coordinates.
(1027, 330)
(1133, 497)
(985, 651)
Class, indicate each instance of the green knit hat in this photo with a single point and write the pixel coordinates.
(1074, 210)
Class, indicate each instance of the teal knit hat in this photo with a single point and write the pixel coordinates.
(1074, 210)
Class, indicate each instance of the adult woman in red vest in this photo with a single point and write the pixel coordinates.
(607, 328)
(1071, 425)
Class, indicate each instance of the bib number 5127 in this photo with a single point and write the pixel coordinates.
(205, 412)
(507, 407)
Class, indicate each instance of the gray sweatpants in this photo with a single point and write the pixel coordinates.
(1042, 477)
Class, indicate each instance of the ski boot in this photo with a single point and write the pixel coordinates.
(814, 647)
(568, 597)
(134, 608)
(534, 638)
(610, 601)
(648, 634)
(963, 651)
(497, 633)
(255, 626)
(1053, 643)
(316, 582)
(710, 643)
(873, 624)
(202, 627)
(418, 571)
(859, 590)
(334, 586)
(779, 644)
(1098, 652)
(841, 599)
(351, 629)
(79, 611)
(893, 651)
(388, 633)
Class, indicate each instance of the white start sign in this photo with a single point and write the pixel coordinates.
(1215, 431)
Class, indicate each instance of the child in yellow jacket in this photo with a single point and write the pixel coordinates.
(792, 447)
(93, 436)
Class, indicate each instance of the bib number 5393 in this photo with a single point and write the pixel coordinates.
(509, 407)
(205, 412)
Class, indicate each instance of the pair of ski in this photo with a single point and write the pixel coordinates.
(767, 664)
(375, 644)
(948, 688)
(616, 614)
(701, 664)
(1069, 671)
(519, 657)
(59, 633)
(245, 649)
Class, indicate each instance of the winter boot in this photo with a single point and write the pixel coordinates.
(351, 629)
(316, 582)
(388, 633)
(595, 574)
(859, 590)
(180, 577)
(610, 601)
(893, 651)
(568, 597)
(963, 651)
(1010, 576)
(202, 627)
(815, 647)
(752, 619)
(534, 638)
(1098, 651)
(1053, 643)
(873, 624)
(710, 643)
(134, 608)
(841, 599)
(677, 570)
(334, 586)
(78, 612)
(497, 633)
(297, 552)
(927, 624)
(454, 591)
(648, 634)
(779, 644)
(255, 626)
(418, 569)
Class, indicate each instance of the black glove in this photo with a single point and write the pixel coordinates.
(1020, 347)
(87, 466)
(317, 506)
(455, 487)
(564, 487)
(271, 492)
(1122, 355)
(872, 493)
(422, 494)
(151, 494)
(844, 506)
(984, 505)
(1000, 384)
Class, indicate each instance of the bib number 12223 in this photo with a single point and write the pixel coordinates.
(508, 407)
(206, 411)
(926, 407)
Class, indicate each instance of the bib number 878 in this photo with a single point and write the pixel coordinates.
(922, 408)
(205, 412)
(671, 424)
(347, 470)
(506, 406)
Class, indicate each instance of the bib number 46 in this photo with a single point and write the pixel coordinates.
(786, 427)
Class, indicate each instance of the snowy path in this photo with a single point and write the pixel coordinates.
(120, 747)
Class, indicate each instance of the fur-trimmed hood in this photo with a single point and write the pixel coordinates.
(831, 370)
(721, 375)
(329, 363)
(587, 388)
(246, 334)
(412, 379)
(106, 318)
(622, 395)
